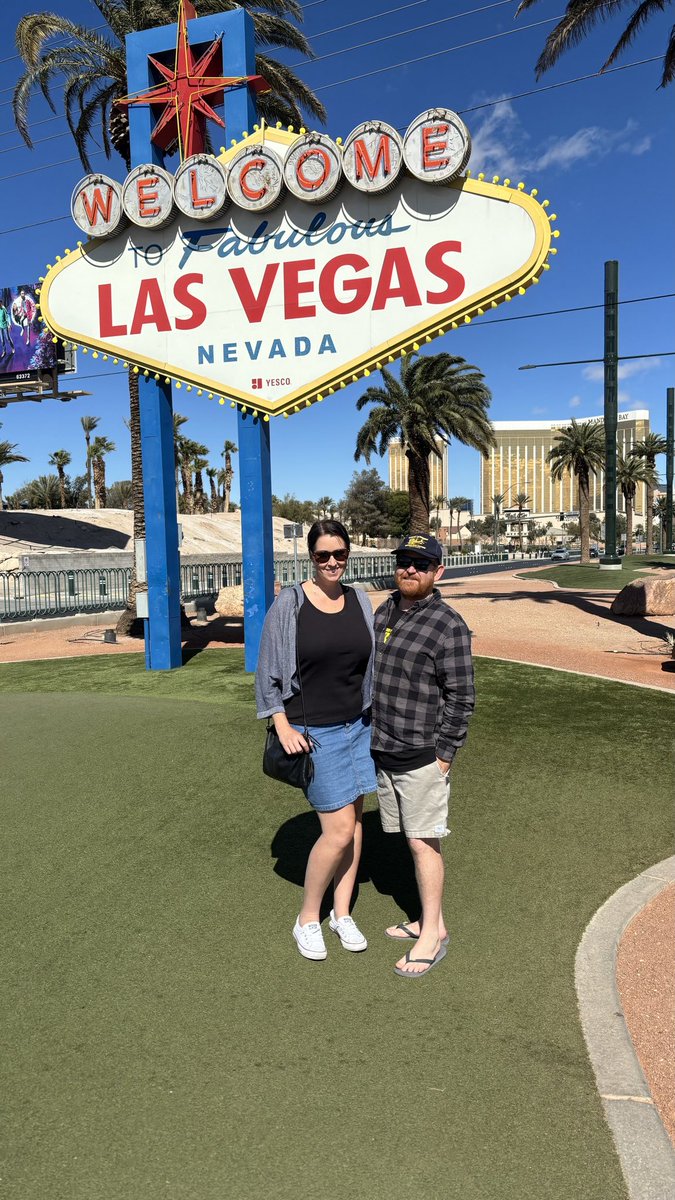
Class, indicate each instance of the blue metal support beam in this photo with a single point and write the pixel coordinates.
(163, 644)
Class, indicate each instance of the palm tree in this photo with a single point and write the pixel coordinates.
(580, 449)
(199, 464)
(228, 450)
(60, 460)
(497, 501)
(43, 492)
(582, 15)
(92, 66)
(659, 510)
(523, 501)
(89, 425)
(7, 457)
(436, 396)
(631, 471)
(99, 448)
(457, 504)
(325, 506)
(439, 502)
(178, 421)
(212, 473)
(648, 448)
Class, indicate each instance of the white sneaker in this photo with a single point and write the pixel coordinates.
(310, 940)
(348, 932)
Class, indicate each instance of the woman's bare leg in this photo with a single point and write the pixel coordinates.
(337, 835)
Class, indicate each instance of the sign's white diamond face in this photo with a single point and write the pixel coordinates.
(96, 206)
(255, 176)
(274, 309)
(313, 168)
(148, 191)
(200, 187)
(372, 156)
(437, 146)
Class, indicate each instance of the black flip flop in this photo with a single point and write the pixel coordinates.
(410, 936)
(431, 963)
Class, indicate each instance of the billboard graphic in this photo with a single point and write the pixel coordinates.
(25, 346)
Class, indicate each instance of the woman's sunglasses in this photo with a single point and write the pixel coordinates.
(324, 556)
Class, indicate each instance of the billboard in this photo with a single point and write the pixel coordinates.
(26, 347)
(327, 263)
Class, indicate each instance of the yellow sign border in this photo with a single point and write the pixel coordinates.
(378, 356)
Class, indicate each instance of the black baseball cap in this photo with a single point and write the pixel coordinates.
(421, 545)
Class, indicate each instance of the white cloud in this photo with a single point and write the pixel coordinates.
(538, 412)
(497, 140)
(501, 145)
(575, 402)
(626, 370)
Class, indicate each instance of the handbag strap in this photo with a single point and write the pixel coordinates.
(297, 663)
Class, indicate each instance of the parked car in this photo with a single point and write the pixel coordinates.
(561, 554)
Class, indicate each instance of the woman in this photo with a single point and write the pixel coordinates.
(335, 649)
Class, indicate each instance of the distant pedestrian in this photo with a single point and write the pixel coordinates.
(423, 696)
(334, 641)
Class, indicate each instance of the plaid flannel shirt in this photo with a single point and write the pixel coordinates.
(423, 691)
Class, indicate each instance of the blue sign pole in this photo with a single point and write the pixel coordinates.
(163, 644)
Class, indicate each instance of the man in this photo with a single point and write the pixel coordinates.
(423, 696)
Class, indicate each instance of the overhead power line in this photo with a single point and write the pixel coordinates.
(488, 104)
(493, 37)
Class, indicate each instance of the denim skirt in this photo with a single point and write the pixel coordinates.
(343, 765)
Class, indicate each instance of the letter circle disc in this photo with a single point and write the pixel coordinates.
(200, 187)
(255, 180)
(96, 206)
(372, 156)
(313, 168)
(437, 146)
(147, 196)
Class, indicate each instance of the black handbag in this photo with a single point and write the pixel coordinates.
(297, 770)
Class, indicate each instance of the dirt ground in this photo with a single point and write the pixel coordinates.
(523, 620)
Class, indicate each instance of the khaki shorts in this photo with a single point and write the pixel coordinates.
(415, 801)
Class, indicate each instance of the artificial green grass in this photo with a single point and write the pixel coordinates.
(163, 1037)
(573, 575)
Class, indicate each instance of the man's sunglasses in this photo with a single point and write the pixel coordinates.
(420, 564)
(324, 556)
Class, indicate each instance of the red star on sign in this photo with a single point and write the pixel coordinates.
(183, 92)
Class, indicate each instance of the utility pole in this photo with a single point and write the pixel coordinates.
(610, 560)
(670, 439)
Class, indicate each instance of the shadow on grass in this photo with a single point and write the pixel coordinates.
(221, 631)
(385, 862)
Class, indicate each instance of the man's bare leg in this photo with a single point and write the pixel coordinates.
(430, 874)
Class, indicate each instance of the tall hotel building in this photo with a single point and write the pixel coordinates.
(518, 464)
(398, 469)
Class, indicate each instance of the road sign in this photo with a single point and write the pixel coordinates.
(292, 531)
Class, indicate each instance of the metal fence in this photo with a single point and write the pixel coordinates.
(26, 595)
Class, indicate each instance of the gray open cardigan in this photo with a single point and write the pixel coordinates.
(276, 678)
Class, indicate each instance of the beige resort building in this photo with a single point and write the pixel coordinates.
(518, 464)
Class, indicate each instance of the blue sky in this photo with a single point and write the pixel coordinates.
(601, 150)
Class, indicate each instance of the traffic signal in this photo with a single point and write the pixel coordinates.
(562, 517)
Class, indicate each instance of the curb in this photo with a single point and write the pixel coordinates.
(646, 1154)
(524, 662)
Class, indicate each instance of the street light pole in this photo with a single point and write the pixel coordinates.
(670, 438)
(610, 561)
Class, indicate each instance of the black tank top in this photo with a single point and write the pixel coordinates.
(334, 650)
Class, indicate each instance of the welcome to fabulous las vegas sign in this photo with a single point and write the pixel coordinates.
(292, 264)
